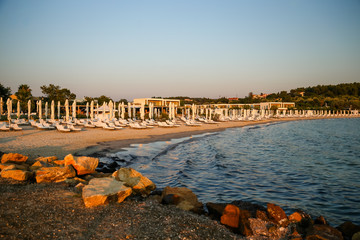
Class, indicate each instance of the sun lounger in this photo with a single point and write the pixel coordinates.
(136, 126)
(4, 127)
(15, 127)
(62, 128)
(72, 128)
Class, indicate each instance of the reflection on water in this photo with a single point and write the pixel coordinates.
(308, 165)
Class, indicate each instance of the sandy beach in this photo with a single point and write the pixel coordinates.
(34, 143)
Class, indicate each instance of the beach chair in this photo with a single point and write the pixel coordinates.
(4, 127)
(73, 128)
(15, 127)
(62, 128)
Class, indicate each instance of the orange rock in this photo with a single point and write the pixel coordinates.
(46, 159)
(59, 162)
(83, 165)
(135, 180)
(54, 174)
(296, 217)
(276, 213)
(185, 198)
(19, 175)
(13, 157)
(101, 191)
(231, 216)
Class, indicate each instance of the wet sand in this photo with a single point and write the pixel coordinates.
(96, 141)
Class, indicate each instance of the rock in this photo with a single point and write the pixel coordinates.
(38, 165)
(101, 191)
(348, 229)
(171, 199)
(23, 166)
(295, 217)
(13, 157)
(276, 213)
(244, 223)
(83, 165)
(135, 180)
(237, 219)
(15, 174)
(100, 174)
(231, 216)
(216, 210)
(321, 231)
(46, 159)
(356, 236)
(187, 199)
(320, 220)
(53, 174)
(59, 162)
(262, 215)
(251, 207)
(79, 187)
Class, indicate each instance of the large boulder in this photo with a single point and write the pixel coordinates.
(184, 198)
(13, 157)
(54, 174)
(276, 213)
(132, 178)
(16, 174)
(237, 219)
(215, 209)
(101, 191)
(22, 166)
(348, 229)
(83, 165)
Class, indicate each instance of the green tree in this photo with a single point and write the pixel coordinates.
(24, 95)
(57, 93)
(5, 92)
(123, 100)
(103, 99)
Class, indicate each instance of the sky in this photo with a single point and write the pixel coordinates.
(204, 48)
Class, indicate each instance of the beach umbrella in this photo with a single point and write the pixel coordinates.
(74, 110)
(134, 111)
(40, 110)
(52, 116)
(142, 112)
(193, 111)
(97, 109)
(92, 110)
(67, 110)
(87, 110)
(29, 109)
(59, 109)
(119, 110)
(18, 109)
(46, 110)
(206, 113)
(37, 106)
(103, 111)
(1, 106)
(111, 106)
(123, 110)
(9, 108)
(151, 110)
(129, 110)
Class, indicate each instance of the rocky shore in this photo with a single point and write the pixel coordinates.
(46, 198)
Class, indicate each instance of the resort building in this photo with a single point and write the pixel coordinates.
(158, 102)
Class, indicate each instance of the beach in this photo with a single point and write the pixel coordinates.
(96, 141)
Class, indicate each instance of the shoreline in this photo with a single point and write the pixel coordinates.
(98, 142)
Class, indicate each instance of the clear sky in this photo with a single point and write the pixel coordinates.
(197, 48)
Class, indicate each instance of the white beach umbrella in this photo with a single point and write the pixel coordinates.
(46, 110)
(134, 111)
(29, 109)
(193, 111)
(142, 112)
(40, 110)
(9, 108)
(97, 109)
(92, 110)
(122, 110)
(151, 111)
(18, 109)
(74, 110)
(129, 110)
(170, 115)
(58, 109)
(206, 113)
(37, 106)
(87, 110)
(111, 108)
(103, 110)
(52, 115)
(1, 106)
(67, 110)
(119, 110)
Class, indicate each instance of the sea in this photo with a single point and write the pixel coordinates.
(310, 165)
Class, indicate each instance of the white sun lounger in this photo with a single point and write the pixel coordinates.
(15, 127)
(3, 127)
(62, 128)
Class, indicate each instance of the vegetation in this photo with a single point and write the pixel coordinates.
(24, 95)
(5, 92)
(57, 93)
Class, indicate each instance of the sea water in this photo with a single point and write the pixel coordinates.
(312, 165)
